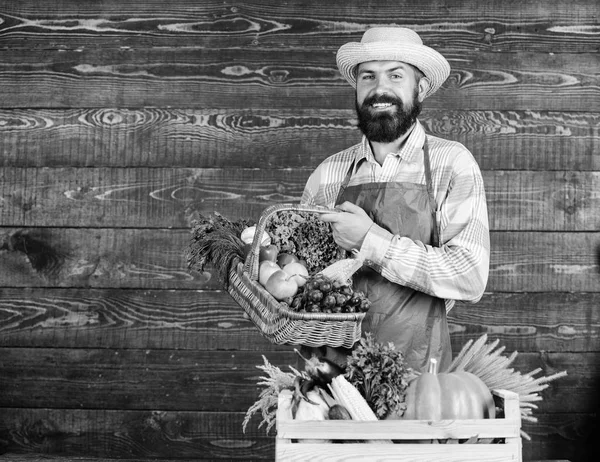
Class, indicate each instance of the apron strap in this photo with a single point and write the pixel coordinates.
(345, 182)
(435, 214)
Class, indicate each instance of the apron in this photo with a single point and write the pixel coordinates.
(414, 321)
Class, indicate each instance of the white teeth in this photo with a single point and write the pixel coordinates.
(378, 105)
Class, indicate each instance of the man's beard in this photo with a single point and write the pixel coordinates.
(385, 127)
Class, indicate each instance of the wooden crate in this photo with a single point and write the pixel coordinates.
(507, 428)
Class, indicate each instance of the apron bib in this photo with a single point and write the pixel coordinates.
(414, 321)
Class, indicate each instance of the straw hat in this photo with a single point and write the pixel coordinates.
(393, 44)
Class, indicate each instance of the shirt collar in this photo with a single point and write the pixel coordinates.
(410, 151)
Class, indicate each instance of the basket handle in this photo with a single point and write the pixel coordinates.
(251, 264)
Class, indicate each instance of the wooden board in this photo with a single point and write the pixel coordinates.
(219, 381)
(211, 320)
(557, 27)
(172, 197)
(188, 436)
(155, 258)
(220, 138)
(195, 77)
(141, 435)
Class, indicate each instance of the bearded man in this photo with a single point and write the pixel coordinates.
(413, 205)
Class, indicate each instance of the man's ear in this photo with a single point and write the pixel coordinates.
(424, 86)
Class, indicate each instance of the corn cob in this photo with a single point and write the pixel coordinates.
(342, 270)
(348, 396)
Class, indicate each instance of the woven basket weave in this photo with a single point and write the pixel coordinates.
(277, 323)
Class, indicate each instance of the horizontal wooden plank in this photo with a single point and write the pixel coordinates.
(155, 258)
(530, 322)
(172, 197)
(518, 261)
(217, 381)
(79, 318)
(151, 379)
(114, 137)
(193, 77)
(358, 451)
(398, 429)
(460, 25)
(144, 197)
(211, 320)
(105, 436)
(131, 435)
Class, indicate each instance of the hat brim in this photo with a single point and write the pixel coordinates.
(435, 67)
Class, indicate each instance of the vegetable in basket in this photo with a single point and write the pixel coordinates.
(304, 235)
(216, 241)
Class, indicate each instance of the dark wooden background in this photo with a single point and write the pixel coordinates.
(120, 120)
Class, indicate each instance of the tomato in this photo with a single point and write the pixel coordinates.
(285, 258)
(268, 252)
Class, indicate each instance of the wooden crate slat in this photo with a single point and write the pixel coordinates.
(409, 452)
(398, 429)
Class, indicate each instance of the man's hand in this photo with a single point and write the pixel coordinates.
(350, 226)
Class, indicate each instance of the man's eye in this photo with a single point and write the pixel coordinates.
(396, 76)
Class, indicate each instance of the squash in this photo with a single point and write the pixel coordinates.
(450, 395)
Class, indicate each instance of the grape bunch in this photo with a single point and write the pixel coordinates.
(322, 295)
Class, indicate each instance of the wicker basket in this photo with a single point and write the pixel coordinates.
(277, 323)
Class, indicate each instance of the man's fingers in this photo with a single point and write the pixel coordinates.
(330, 217)
(350, 207)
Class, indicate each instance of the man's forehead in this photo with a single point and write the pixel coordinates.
(382, 65)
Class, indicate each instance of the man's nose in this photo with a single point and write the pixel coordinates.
(382, 86)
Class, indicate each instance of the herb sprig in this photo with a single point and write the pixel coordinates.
(380, 374)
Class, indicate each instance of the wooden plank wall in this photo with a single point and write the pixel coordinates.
(120, 120)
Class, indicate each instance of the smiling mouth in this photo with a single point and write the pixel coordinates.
(381, 105)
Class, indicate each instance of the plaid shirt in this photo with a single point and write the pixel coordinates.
(458, 270)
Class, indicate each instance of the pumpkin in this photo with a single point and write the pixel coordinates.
(449, 395)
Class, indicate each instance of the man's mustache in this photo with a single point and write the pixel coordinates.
(381, 99)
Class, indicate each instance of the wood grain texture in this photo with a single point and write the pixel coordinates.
(92, 318)
(164, 137)
(90, 436)
(173, 197)
(145, 258)
(195, 77)
(132, 435)
(148, 379)
(219, 381)
(505, 26)
(570, 436)
(211, 320)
